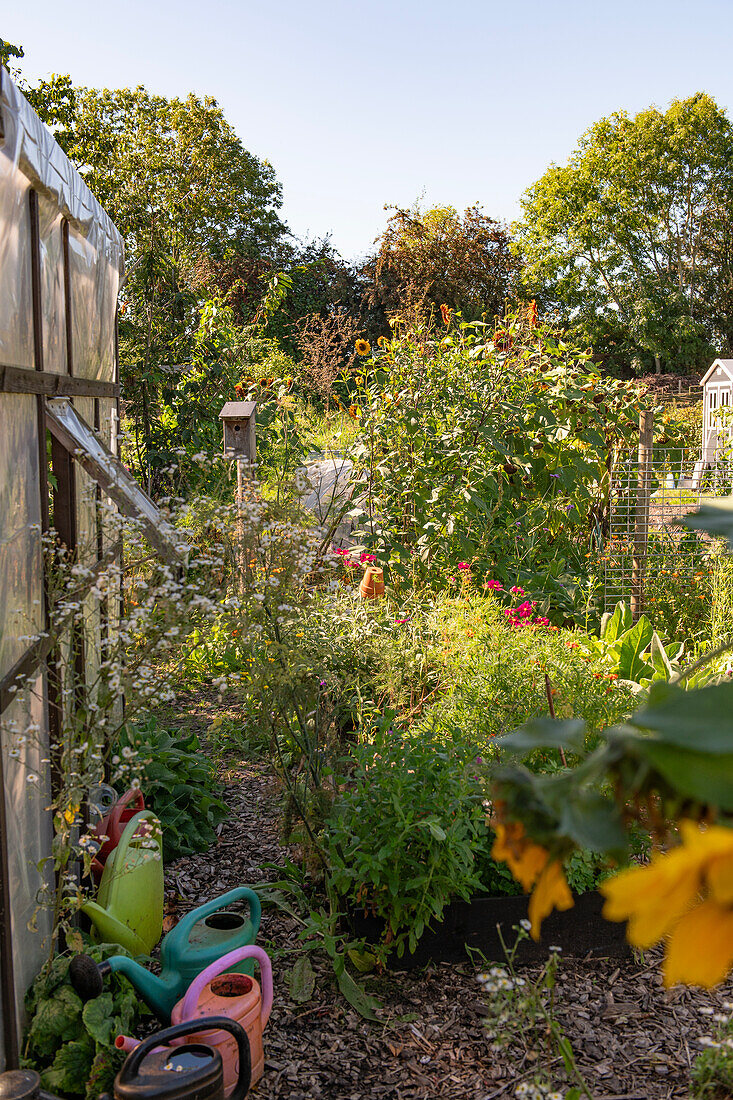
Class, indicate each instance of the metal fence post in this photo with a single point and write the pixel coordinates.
(641, 521)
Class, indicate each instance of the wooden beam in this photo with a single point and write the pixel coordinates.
(21, 380)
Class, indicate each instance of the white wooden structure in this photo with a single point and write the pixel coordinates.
(717, 426)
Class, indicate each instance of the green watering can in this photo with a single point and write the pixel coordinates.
(129, 905)
(197, 941)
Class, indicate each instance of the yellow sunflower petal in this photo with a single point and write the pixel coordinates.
(653, 898)
(700, 950)
(551, 892)
(719, 877)
(706, 839)
(713, 846)
(524, 858)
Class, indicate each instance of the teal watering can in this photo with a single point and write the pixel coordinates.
(197, 941)
(129, 905)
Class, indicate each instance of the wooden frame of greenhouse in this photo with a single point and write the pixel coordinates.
(61, 263)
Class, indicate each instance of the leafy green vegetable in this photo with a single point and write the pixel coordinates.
(179, 784)
(72, 1044)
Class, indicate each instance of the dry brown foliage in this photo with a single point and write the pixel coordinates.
(327, 348)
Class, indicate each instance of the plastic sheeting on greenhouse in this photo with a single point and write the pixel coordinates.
(108, 471)
(74, 302)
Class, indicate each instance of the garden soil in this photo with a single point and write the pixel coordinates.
(631, 1037)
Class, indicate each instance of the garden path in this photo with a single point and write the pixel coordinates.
(632, 1039)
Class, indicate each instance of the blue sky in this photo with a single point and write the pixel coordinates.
(361, 104)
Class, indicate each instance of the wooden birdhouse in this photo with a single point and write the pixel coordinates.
(717, 425)
(238, 418)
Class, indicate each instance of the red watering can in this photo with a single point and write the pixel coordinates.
(236, 996)
(113, 825)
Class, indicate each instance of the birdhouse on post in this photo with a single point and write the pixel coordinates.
(717, 425)
(238, 418)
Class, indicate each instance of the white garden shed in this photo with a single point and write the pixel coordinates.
(717, 427)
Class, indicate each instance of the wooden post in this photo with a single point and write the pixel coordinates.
(641, 521)
(240, 554)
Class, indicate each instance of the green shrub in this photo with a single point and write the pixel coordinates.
(402, 838)
(491, 448)
(493, 675)
(70, 1043)
(179, 784)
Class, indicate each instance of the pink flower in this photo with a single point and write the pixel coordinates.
(524, 610)
(405, 619)
(516, 590)
(496, 586)
(463, 565)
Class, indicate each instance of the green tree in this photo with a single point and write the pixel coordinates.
(184, 191)
(186, 195)
(620, 240)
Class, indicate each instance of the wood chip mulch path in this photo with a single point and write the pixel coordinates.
(631, 1038)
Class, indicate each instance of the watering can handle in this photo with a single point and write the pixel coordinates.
(133, 795)
(130, 830)
(209, 1023)
(185, 926)
(191, 998)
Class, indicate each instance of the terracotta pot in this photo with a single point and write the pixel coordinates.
(372, 583)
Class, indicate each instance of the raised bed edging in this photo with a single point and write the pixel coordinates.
(579, 931)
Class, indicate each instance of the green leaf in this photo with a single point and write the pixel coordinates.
(364, 961)
(57, 1019)
(301, 980)
(357, 996)
(700, 720)
(71, 1067)
(98, 1016)
(436, 831)
(634, 642)
(660, 660)
(593, 822)
(704, 777)
(616, 624)
(715, 515)
(545, 733)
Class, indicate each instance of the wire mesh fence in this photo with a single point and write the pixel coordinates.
(648, 501)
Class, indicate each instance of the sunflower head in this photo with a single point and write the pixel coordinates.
(363, 347)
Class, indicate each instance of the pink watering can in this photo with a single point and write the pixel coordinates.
(236, 996)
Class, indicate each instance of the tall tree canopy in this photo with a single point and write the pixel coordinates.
(628, 239)
(435, 256)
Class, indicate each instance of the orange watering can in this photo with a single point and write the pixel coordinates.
(112, 826)
(236, 996)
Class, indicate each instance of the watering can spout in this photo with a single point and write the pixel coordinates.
(155, 991)
(87, 978)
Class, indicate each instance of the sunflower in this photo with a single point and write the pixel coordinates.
(531, 865)
(353, 412)
(363, 347)
(382, 342)
(684, 897)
